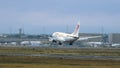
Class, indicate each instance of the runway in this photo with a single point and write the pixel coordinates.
(66, 56)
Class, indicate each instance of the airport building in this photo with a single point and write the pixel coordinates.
(114, 38)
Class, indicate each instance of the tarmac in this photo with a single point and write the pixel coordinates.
(66, 56)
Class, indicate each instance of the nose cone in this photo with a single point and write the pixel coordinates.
(55, 34)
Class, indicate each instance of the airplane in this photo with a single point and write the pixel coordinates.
(61, 37)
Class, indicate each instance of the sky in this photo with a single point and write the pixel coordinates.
(48, 16)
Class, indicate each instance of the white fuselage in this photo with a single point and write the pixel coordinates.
(61, 37)
(64, 37)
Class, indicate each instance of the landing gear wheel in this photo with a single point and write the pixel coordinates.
(60, 43)
(70, 43)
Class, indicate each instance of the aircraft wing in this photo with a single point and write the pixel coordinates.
(85, 38)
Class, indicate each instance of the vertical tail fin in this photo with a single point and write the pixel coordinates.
(76, 31)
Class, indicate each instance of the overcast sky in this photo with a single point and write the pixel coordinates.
(47, 16)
